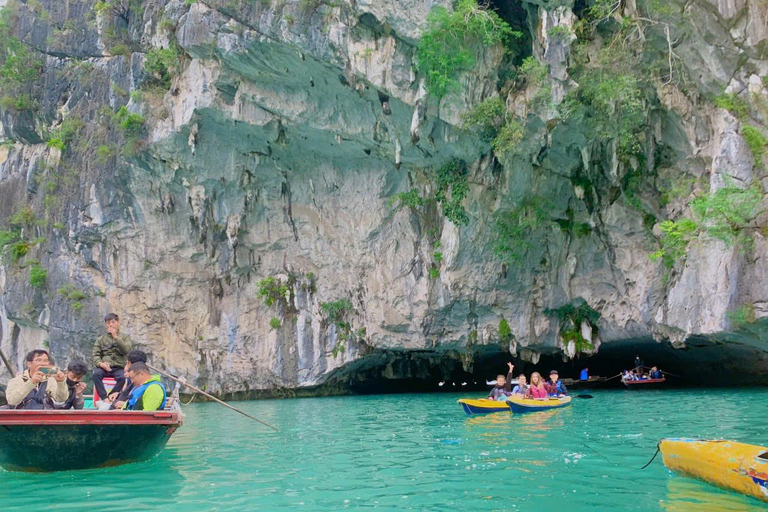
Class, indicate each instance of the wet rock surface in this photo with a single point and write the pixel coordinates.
(274, 153)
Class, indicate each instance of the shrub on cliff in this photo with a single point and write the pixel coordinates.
(161, 65)
(447, 46)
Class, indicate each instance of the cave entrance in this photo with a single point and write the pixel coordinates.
(516, 15)
(703, 363)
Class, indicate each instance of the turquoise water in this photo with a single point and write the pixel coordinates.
(417, 452)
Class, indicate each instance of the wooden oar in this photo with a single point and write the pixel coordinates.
(672, 374)
(7, 364)
(183, 382)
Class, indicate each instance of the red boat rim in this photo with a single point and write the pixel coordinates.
(82, 417)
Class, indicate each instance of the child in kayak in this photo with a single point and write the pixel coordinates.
(521, 388)
(503, 386)
(556, 387)
(537, 388)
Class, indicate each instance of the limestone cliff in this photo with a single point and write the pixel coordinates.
(270, 192)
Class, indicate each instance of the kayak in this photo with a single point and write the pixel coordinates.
(734, 466)
(521, 405)
(482, 406)
(645, 384)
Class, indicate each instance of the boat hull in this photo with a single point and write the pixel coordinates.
(645, 384)
(483, 406)
(526, 405)
(43, 441)
(734, 466)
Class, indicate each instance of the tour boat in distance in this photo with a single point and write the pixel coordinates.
(63, 440)
(727, 464)
(645, 384)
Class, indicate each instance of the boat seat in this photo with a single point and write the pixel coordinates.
(109, 383)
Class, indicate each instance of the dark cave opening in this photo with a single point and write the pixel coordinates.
(516, 15)
(702, 363)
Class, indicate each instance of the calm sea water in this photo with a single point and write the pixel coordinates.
(418, 452)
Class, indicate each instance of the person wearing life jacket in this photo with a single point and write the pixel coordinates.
(134, 356)
(555, 387)
(584, 374)
(656, 373)
(35, 389)
(149, 391)
(503, 387)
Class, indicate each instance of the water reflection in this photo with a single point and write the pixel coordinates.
(689, 495)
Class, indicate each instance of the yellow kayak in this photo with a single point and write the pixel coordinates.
(483, 406)
(734, 466)
(519, 404)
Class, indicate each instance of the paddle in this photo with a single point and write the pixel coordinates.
(672, 374)
(7, 364)
(183, 382)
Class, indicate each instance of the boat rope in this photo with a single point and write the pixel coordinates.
(658, 449)
(190, 400)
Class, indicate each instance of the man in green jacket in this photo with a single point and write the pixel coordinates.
(109, 353)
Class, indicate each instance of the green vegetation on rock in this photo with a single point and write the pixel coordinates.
(335, 310)
(272, 290)
(723, 215)
(756, 141)
(275, 323)
(742, 316)
(570, 317)
(505, 332)
(448, 45)
(37, 276)
(452, 185)
(162, 64)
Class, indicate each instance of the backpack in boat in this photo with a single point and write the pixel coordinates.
(37, 399)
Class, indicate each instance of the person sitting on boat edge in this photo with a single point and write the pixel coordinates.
(134, 356)
(537, 388)
(76, 370)
(656, 373)
(149, 393)
(521, 388)
(109, 351)
(503, 386)
(555, 387)
(584, 374)
(33, 389)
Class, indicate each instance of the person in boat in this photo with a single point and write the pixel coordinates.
(584, 374)
(35, 388)
(76, 370)
(555, 386)
(537, 389)
(149, 392)
(656, 373)
(503, 387)
(109, 353)
(638, 364)
(134, 356)
(521, 388)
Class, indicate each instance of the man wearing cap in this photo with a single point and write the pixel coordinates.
(554, 386)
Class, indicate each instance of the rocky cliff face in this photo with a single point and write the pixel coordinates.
(224, 174)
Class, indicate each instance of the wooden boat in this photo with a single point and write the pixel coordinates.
(734, 466)
(483, 406)
(645, 384)
(581, 384)
(60, 440)
(519, 404)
